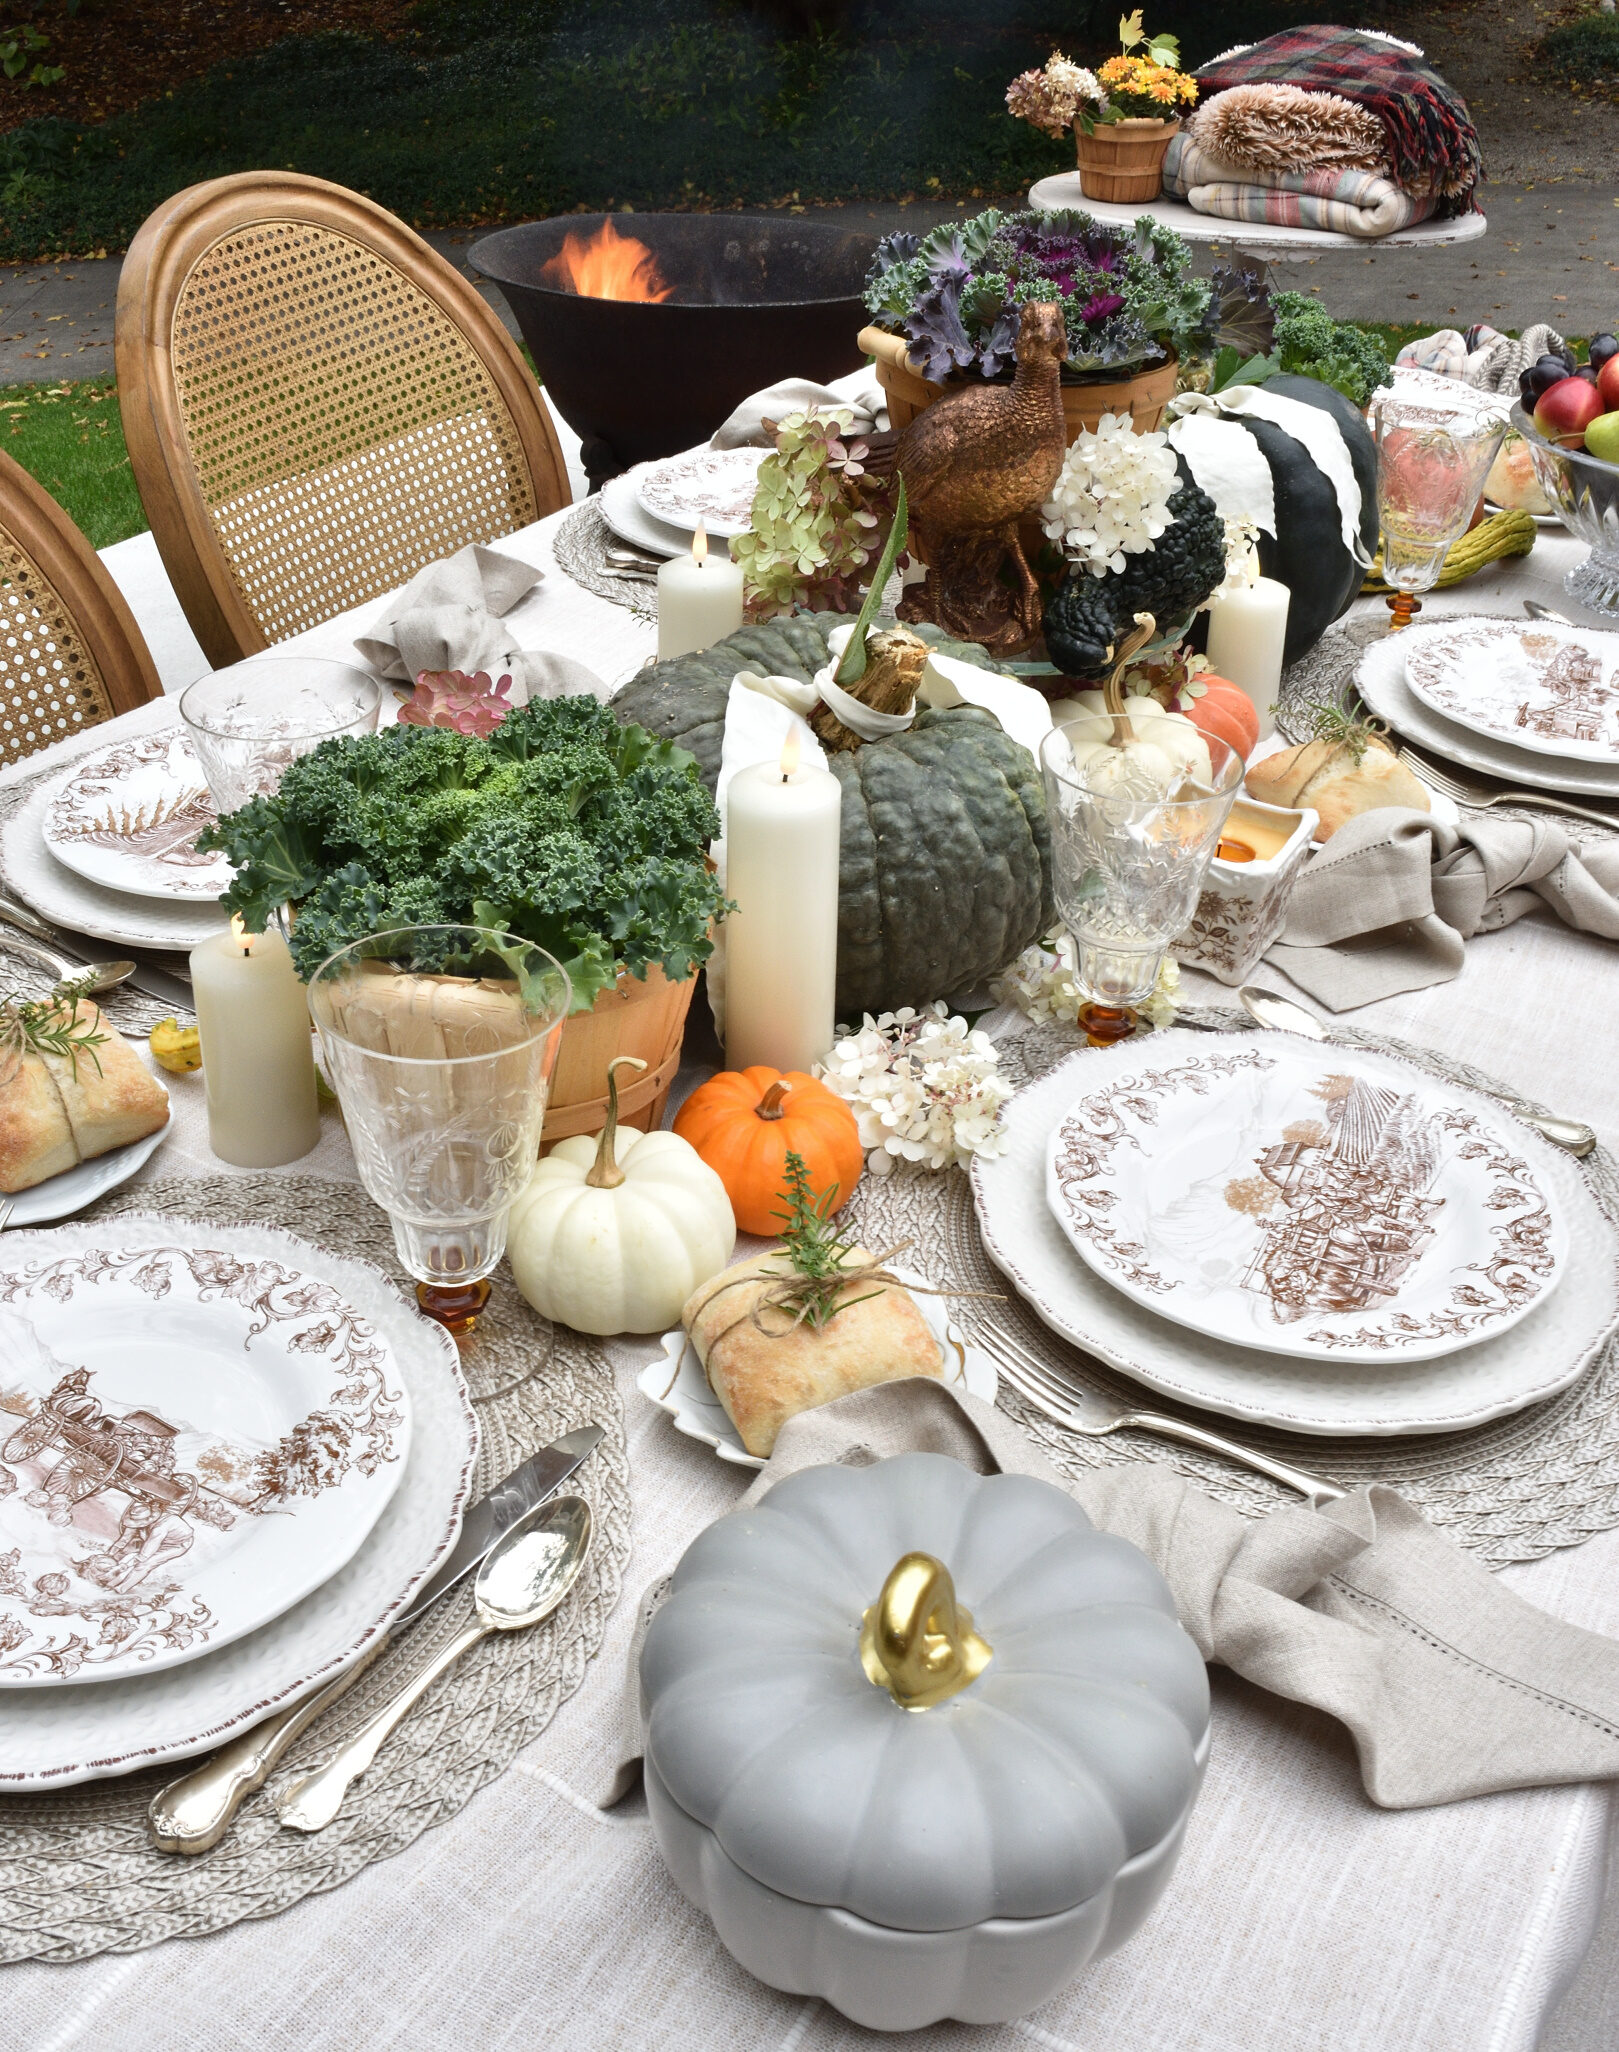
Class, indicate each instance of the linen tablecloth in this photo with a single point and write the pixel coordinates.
(1301, 1918)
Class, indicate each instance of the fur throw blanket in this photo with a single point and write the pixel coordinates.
(1340, 200)
(1430, 146)
(1263, 128)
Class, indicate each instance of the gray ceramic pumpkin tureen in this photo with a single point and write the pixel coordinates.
(921, 1742)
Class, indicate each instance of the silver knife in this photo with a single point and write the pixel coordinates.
(165, 985)
(193, 1813)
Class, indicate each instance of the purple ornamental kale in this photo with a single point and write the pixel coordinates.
(935, 325)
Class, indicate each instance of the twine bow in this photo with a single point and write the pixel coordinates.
(814, 1297)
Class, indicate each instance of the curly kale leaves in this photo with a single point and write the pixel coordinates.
(561, 828)
(1303, 339)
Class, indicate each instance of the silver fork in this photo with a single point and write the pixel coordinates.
(1094, 1417)
(1474, 796)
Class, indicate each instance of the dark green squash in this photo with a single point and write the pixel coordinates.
(946, 858)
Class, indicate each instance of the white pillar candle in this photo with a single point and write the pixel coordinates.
(258, 1064)
(699, 599)
(1247, 632)
(782, 827)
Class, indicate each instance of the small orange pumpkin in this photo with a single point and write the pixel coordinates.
(1226, 711)
(745, 1122)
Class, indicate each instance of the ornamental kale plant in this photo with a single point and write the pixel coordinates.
(561, 827)
(1128, 294)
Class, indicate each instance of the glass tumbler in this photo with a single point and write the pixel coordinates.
(246, 724)
(1431, 467)
(441, 1053)
(1130, 848)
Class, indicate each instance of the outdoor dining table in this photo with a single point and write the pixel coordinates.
(1301, 1917)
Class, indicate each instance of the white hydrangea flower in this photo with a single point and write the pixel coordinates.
(1041, 984)
(1241, 558)
(923, 1087)
(1073, 82)
(1111, 498)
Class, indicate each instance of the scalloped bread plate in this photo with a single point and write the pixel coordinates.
(1553, 1346)
(1533, 684)
(675, 1381)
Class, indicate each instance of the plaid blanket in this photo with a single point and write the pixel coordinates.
(1346, 202)
(1433, 146)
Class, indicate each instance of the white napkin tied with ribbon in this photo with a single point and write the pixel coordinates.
(1389, 902)
(448, 618)
(1450, 1684)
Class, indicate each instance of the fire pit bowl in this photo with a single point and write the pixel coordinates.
(739, 303)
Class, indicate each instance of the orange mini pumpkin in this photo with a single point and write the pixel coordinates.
(745, 1122)
(1227, 712)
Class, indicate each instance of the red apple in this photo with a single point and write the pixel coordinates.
(1567, 409)
(1608, 384)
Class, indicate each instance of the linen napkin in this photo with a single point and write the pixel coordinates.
(857, 394)
(449, 618)
(1450, 1684)
(1387, 904)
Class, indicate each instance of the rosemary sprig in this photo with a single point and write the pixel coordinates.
(1327, 722)
(48, 1025)
(817, 1250)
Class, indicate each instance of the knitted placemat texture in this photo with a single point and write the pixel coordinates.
(580, 546)
(78, 1875)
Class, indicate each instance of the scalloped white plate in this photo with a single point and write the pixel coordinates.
(675, 1382)
(1553, 1346)
(1532, 684)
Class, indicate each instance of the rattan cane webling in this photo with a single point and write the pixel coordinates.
(70, 652)
(316, 405)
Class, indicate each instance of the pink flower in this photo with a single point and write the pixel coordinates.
(450, 698)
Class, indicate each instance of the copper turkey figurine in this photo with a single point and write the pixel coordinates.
(975, 463)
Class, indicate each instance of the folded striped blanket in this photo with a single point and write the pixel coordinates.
(1346, 202)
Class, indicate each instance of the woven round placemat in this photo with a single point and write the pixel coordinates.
(580, 546)
(1514, 1489)
(78, 1875)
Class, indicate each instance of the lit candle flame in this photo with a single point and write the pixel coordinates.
(239, 933)
(789, 752)
(699, 545)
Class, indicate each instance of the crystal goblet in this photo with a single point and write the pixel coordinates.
(246, 724)
(440, 1042)
(1431, 467)
(1132, 835)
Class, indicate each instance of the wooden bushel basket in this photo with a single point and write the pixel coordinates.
(1143, 397)
(647, 1019)
(1124, 160)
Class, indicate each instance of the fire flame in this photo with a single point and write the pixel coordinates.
(606, 265)
(789, 752)
(699, 545)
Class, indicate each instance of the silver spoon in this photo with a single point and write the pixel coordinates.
(1537, 611)
(521, 1583)
(101, 975)
(1287, 1017)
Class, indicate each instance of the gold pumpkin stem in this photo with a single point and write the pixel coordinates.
(773, 1105)
(1113, 687)
(916, 1641)
(605, 1173)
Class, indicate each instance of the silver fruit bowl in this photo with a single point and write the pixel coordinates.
(1584, 492)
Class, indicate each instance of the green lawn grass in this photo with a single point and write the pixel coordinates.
(70, 437)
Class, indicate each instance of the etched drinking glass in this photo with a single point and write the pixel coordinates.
(246, 724)
(1131, 839)
(440, 1042)
(1431, 467)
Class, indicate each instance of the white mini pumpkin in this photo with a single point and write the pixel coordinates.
(1176, 750)
(617, 1229)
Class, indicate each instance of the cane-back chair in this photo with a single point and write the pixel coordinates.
(70, 652)
(316, 405)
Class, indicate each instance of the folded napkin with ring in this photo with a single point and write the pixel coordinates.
(1388, 903)
(449, 618)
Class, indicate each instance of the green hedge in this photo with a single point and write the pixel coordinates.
(1586, 49)
(492, 110)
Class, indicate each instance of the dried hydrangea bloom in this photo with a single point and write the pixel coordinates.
(450, 698)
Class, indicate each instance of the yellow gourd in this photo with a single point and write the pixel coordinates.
(175, 1047)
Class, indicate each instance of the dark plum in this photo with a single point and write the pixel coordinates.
(1548, 371)
(1602, 348)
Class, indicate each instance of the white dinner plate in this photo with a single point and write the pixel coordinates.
(1381, 681)
(714, 486)
(127, 818)
(193, 1440)
(675, 1381)
(1553, 690)
(1554, 1345)
(52, 1737)
(631, 522)
(69, 899)
(1304, 1199)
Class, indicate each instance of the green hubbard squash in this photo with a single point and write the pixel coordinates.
(946, 856)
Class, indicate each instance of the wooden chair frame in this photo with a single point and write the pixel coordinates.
(98, 610)
(170, 244)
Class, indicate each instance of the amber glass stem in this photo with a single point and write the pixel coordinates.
(455, 1306)
(1402, 605)
(1103, 1025)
